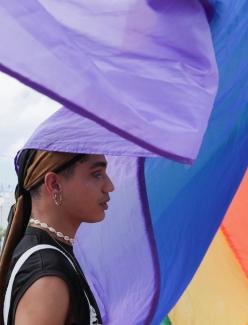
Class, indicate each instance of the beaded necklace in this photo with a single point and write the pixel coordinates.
(51, 229)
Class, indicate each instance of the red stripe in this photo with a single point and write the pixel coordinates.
(235, 225)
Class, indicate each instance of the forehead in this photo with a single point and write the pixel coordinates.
(95, 161)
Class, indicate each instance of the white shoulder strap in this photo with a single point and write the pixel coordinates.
(17, 267)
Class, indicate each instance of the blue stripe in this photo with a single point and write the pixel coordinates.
(187, 204)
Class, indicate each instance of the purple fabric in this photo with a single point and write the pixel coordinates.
(116, 255)
(57, 134)
(142, 69)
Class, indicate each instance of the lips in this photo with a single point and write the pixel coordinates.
(104, 204)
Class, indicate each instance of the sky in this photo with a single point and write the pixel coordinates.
(21, 110)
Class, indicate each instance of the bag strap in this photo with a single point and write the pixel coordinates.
(22, 259)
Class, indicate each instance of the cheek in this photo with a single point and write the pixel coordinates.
(84, 194)
(92, 187)
(88, 194)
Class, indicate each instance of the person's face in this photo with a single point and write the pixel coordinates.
(86, 191)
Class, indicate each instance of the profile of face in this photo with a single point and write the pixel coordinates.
(86, 192)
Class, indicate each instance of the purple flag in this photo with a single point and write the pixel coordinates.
(142, 69)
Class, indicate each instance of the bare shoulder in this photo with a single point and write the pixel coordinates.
(46, 302)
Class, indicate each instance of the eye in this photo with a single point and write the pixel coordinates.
(97, 174)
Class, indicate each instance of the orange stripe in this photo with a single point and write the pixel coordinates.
(235, 225)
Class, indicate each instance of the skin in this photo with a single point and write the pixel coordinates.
(84, 194)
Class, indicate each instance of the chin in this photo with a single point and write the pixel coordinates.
(95, 219)
(101, 218)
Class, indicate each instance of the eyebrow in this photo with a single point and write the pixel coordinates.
(102, 164)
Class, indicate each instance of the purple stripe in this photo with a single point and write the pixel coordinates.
(151, 239)
(81, 111)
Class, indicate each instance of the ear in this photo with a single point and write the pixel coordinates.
(52, 183)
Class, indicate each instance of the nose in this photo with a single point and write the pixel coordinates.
(109, 186)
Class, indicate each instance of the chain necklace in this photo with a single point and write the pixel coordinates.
(51, 229)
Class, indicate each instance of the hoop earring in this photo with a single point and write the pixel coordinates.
(57, 198)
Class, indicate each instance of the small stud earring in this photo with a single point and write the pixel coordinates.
(57, 198)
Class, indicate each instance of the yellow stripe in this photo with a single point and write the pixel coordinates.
(218, 293)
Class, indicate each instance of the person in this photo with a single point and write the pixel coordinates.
(56, 192)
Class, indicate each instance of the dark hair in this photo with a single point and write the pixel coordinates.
(67, 172)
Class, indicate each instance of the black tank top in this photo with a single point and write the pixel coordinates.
(50, 262)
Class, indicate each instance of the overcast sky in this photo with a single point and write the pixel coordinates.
(21, 111)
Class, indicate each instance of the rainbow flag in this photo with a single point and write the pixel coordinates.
(218, 293)
(138, 80)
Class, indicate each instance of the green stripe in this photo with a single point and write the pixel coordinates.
(166, 321)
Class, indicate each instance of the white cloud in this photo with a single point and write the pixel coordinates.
(21, 111)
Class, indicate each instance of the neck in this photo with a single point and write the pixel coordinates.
(52, 231)
(55, 226)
